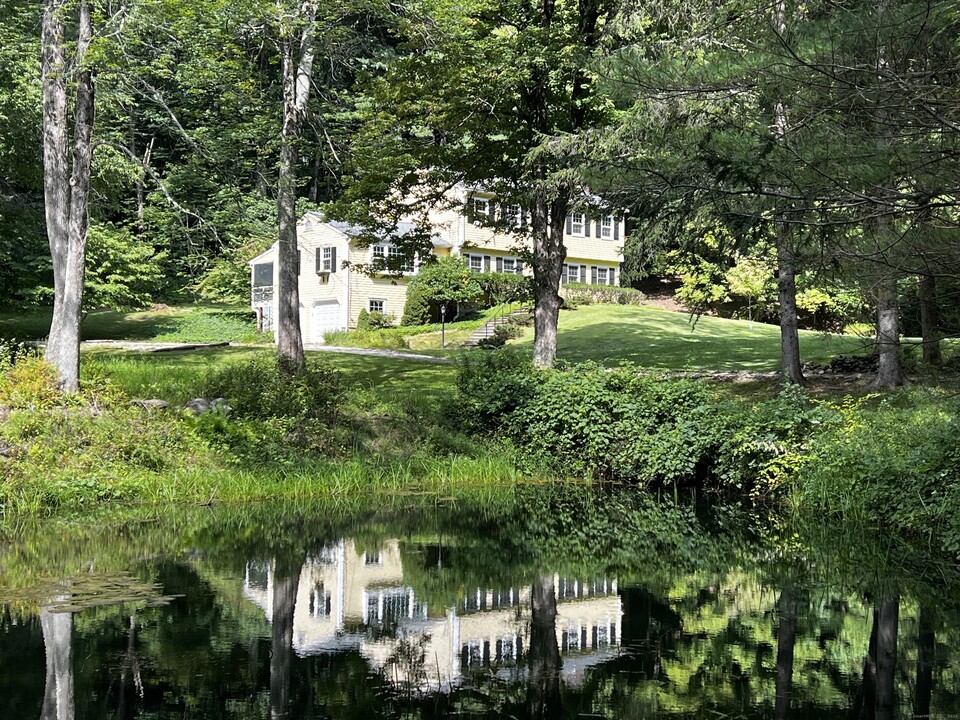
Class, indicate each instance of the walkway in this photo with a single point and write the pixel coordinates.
(154, 347)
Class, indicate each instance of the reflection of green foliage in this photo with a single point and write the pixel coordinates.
(703, 591)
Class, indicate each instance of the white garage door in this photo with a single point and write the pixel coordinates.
(324, 316)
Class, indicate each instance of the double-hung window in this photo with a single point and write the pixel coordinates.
(387, 256)
(481, 207)
(513, 215)
(475, 263)
(603, 276)
(326, 257)
(578, 224)
(606, 227)
(573, 273)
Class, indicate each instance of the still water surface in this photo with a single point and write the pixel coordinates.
(526, 603)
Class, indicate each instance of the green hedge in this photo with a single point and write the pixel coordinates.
(618, 424)
(586, 294)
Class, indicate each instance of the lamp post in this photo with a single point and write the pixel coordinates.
(443, 325)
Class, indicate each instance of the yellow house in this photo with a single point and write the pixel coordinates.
(489, 235)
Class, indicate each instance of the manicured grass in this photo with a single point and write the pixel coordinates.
(174, 376)
(655, 338)
(165, 324)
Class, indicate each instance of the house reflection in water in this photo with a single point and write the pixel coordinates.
(350, 599)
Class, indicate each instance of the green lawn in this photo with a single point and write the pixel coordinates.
(175, 376)
(165, 324)
(655, 338)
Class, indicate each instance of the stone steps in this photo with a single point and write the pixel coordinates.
(487, 329)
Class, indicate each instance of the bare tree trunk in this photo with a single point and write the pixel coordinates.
(286, 579)
(889, 374)
(58, 696)
(543, 689)
(547, 222)
(66, 201)
(929, 319)
(790, 368)
(297, 54)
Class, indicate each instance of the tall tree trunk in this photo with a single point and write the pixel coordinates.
(547, 223)
(297, 55)
(286, 579)
(543, 689)
(790, 370)
(929, 319)
(58, 696)
(889, 374)
(66, 200)
(786, 640)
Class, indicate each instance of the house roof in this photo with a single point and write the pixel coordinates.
(355, 231)
(402, 229)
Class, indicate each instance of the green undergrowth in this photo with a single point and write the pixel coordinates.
(889, 460)
(342, 427)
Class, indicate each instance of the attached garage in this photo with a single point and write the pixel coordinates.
(324, 316)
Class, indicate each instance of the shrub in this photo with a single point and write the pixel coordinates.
(31, 382)
(446, 281)
(259, 389)
(500, 288)
(501, 334)
(387, 339)
(576, 294)
(374, 320)
(491, 386)
(590, 420)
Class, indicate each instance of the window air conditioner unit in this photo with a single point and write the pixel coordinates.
(324, 275)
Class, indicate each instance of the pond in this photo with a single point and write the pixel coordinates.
(527, 602)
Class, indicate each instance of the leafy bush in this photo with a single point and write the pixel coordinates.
(590, 420)
(377, 321)
(259, 389)
(501, 334)
(500, 288)
(31, 382)
(384, 339)
(447, 281)
(13, 350)
(122, 271)
(895, 460)
(576, 294)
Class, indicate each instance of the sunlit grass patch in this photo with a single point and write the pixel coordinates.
(655, 338)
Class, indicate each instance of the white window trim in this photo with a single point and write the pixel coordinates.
(387, 247)
(606, 227)
(383, 305)
(470, 258)
(582, 232)
(486, 206)
(326, 262)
